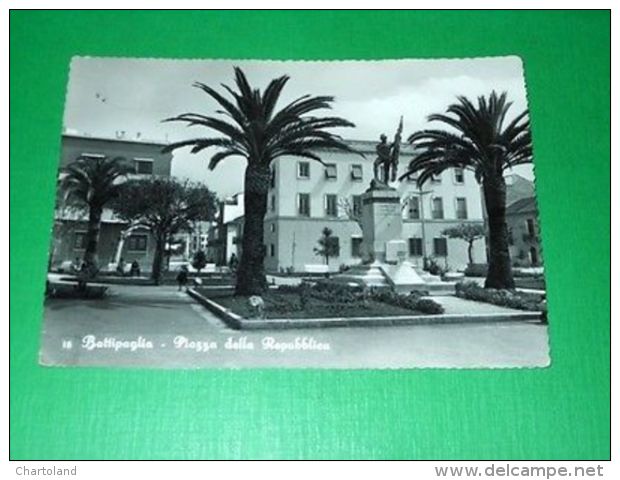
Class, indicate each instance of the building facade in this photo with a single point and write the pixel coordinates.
(306, 196)
(524, 233)
(116, 240)
(227, 230)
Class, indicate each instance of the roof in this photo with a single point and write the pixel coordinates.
(117, 140)
(525, 205)
(369, 146)
(81, 215)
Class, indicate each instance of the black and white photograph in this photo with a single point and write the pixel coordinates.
(295, 214)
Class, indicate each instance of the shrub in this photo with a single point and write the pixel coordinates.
(503, 298)
(199, 261)
(476, 270)
(288, 288)
(339, 297)
(409, 302)
(426, 305)
(432, 266)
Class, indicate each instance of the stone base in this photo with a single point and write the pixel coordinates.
(402, 278)
(370, 275)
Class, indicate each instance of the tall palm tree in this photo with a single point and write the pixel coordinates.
(248, 125)
(93, 183)
(478, 139)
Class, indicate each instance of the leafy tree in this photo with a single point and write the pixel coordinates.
(200, 260)
(248, 125)
(479, 139)
(165, 206)
(329, 245)
(470, 232)
(93, 183)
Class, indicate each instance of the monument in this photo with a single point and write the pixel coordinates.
(384, 250)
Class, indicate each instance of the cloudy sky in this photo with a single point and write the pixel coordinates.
(108, 95)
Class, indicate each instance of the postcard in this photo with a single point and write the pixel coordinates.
(296, 214)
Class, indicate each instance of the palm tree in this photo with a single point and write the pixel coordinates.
(93, 183)
(479, 140)
(249, 126)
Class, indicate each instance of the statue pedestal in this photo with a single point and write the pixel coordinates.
(381, 222)
(385, 250)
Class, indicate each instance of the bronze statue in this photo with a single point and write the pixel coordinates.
(387, 157)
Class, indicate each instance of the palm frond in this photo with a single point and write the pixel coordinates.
(475, 139)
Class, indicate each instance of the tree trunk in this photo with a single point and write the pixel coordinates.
(92, 236)
(158, 257)
(470, 252)
(499, 274)
(251, 278)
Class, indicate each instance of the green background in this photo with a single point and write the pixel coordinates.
(561, 412)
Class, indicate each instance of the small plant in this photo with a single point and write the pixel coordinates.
(200, 260)
(329, 245)
(432, 267)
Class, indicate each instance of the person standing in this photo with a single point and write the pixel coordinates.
(182, 278)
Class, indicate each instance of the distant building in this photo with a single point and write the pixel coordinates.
(518, 187)
(524, 232)
(305, 197)
(115, 240)
(226, 232)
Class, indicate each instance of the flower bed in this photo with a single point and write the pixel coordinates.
(504, 298)
(325, 300)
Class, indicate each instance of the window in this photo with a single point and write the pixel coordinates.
(303, 204)
(303, 170)
(272, 250)
(459, 176)
(272, 227)
(336, 246)
(331, 205)
(461, 208)
(137, 243)
(415, 247)
(357, 173)
(272, 203)
(436, 179)
(414, 208)
(437, 208)
(356, 247)
(272, 178)
(357, 204)
(531, 228)
(79, 242)
(143, 166)
(440, 247)
(331, 171)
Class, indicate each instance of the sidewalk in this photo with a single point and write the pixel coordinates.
(453, 304)
(162, 315)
